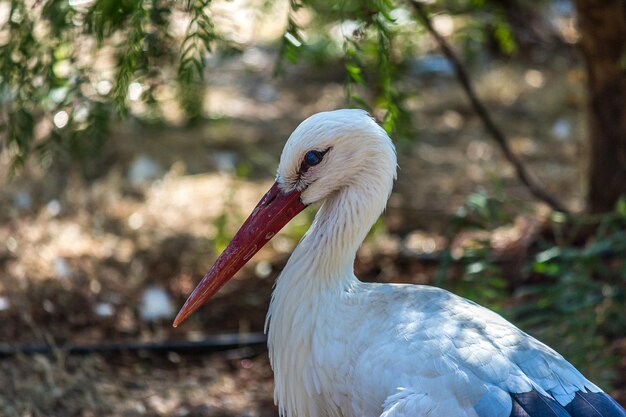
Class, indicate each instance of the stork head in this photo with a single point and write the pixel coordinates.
(332, 150)
(326, 153)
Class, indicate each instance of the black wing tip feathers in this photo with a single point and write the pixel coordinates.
(594, 404)
(534, 404)
(584, 404)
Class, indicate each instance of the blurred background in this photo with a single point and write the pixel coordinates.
(137, 135)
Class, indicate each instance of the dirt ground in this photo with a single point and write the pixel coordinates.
(78, 252)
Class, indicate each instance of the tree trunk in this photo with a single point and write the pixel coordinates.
(602, 26)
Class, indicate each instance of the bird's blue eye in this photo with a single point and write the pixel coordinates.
(313, 157)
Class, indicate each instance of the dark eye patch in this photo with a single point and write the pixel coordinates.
(312, 158)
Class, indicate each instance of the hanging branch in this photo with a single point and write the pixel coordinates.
(533, 185)
(130, 57)
(292, 41)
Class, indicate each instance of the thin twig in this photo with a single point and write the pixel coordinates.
(533, 185)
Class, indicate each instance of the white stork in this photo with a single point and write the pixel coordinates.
(343, 348)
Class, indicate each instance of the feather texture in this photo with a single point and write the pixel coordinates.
(533, 404)
(586, 404)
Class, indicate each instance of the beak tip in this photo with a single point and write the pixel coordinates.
(180, 317)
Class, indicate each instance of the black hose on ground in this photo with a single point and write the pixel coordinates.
(215, 343)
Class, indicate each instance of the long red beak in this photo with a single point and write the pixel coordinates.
(269, 216)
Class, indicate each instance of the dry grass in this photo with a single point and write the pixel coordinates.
(217, 385)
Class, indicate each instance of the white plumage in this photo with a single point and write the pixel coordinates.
(343, 348)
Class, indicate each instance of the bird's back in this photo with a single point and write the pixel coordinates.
(423, 351)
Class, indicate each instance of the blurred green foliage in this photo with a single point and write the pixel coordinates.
(578, 305)
(68, 69)
(482, 279)
(573, 294)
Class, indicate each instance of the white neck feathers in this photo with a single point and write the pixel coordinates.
(312, 283)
